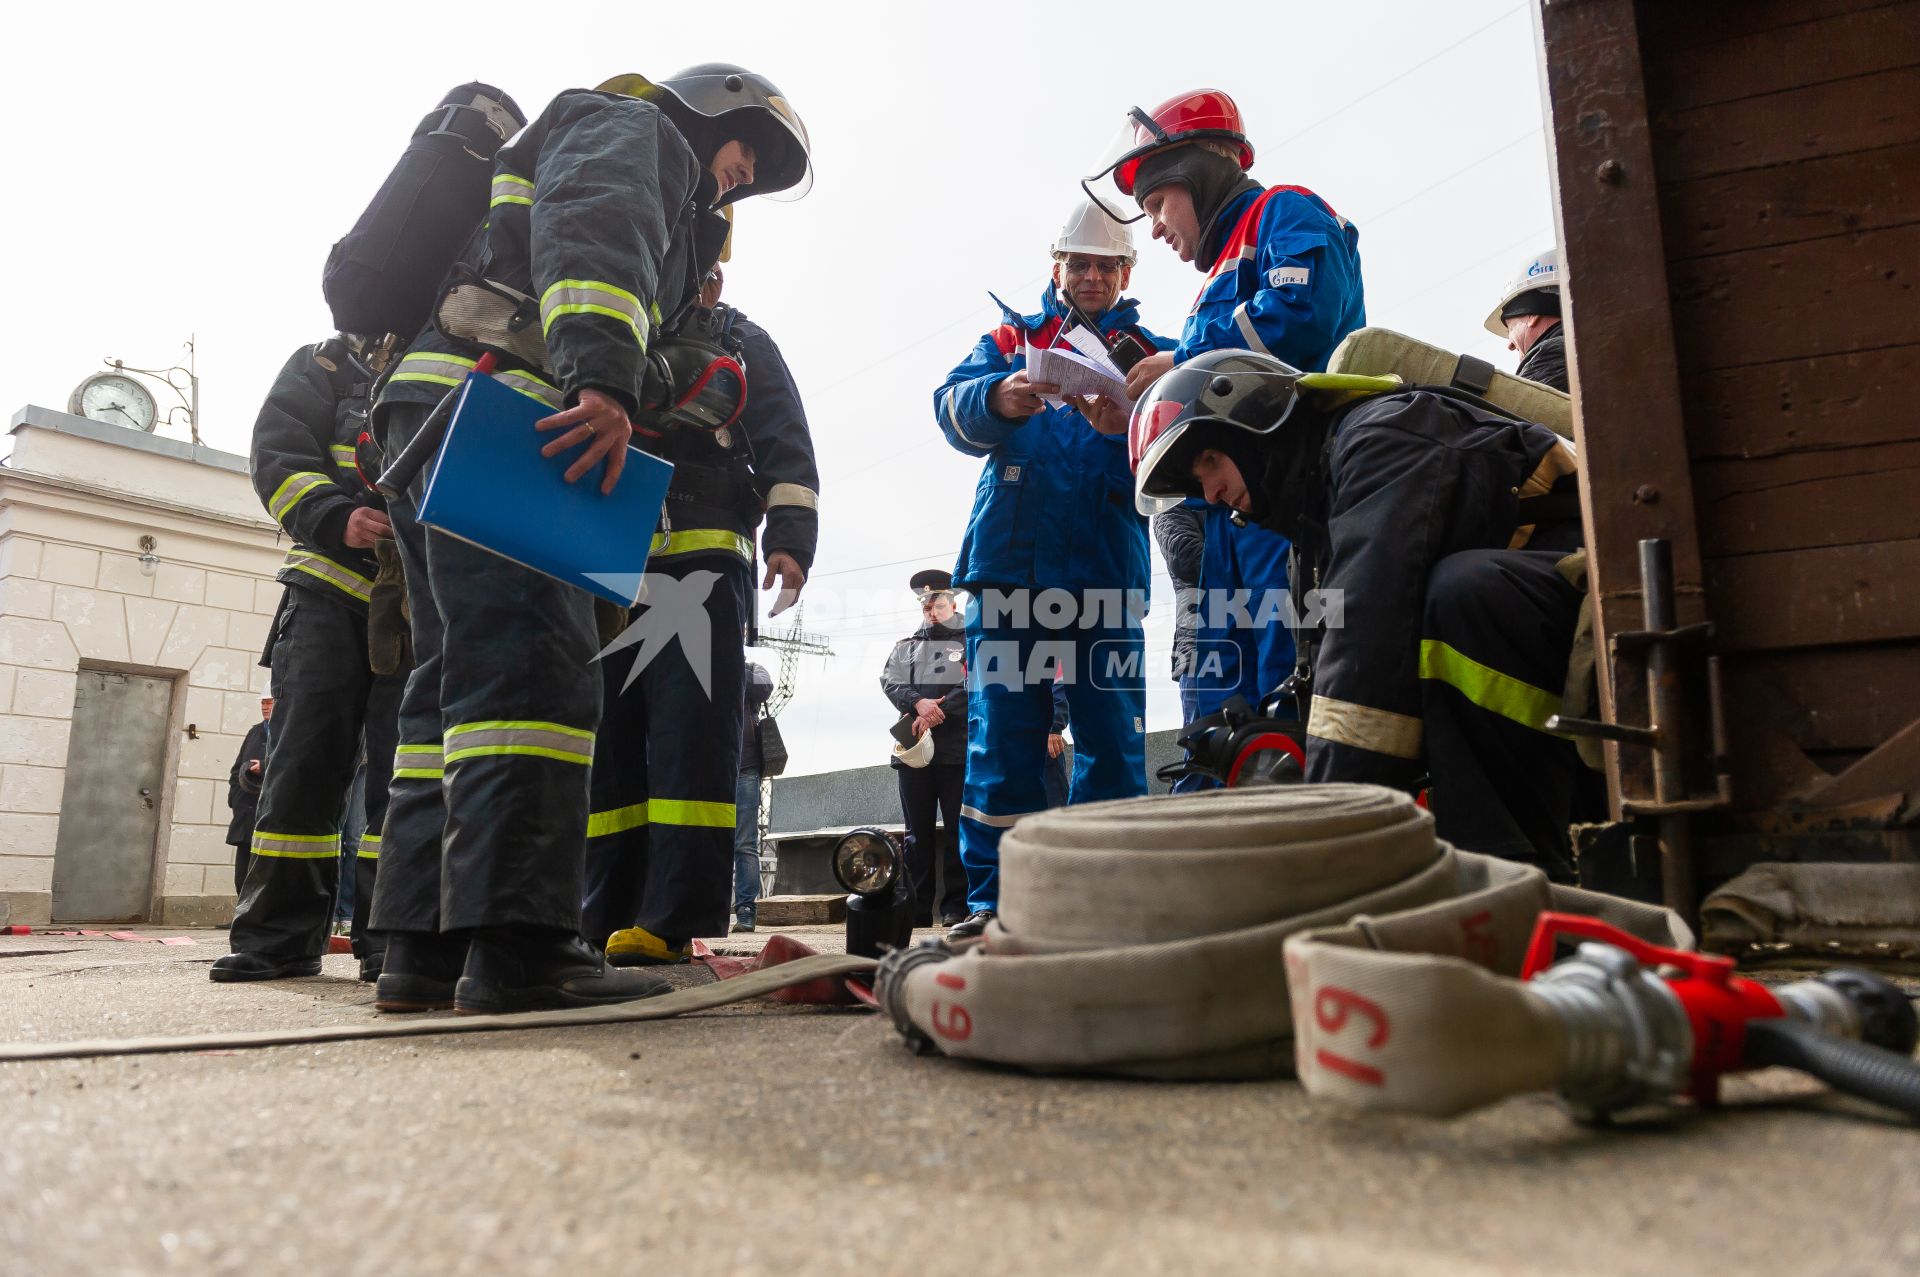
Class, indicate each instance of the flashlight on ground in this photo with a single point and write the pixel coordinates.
(871, 865)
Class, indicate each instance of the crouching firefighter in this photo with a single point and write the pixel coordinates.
(660, 840)
(603, 219)
(1430, 530)
(306, 471)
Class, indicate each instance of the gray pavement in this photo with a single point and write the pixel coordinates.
(762, 1139)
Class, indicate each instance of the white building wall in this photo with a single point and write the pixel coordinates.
(76, 497)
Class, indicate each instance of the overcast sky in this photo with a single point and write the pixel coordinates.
(183, 169)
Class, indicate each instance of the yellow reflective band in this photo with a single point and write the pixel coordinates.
(289, 493)
(296, 846)
(369, 848)
(694, 540)
(430, 366)
(508, 189)
(592, 297)
(500, 737)
(684, 812)
(345, 456)
(1502, 694)
(451, 370)
(338, 576)
(418, 762)
(617, 821)
(1364, 727)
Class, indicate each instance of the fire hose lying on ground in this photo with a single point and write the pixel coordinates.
(1319, 929)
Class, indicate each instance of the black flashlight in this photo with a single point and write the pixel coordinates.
(872, 866)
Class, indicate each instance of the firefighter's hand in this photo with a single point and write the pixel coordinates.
(253, 766)
(792, 578)
(1102, 413)
(1148, 371)
(1016, 398)
(365, 526)
(929, 711)
(601, 423)
(1056, 744)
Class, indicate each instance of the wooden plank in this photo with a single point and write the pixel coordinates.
(1830, 699)
(1807, 499)
(1825, 119)
(1796, 405)
(1820, 297)
(1670, 26)
(1832, 47)
(1634, 480)
(1816, 598)
(1787, 203)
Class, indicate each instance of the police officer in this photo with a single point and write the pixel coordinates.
(925, 677)
(1050, 515)
(1528, 316)
(304, 468)
(605, 211)
(660, 841)
(1439, 526)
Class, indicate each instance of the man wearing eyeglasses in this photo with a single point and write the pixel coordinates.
(1055, 557)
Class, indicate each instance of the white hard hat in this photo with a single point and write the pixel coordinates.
(918, 754)
(1089, 230)
(1541, 273)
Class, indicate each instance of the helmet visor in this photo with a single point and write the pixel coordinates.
(1110, 182)
(795, 156)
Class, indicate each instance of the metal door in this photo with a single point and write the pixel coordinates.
(110, 808)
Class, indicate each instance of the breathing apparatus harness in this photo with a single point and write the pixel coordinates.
(1241, 747)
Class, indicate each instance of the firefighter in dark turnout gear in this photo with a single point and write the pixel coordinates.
(1434, 527)
(660, 837)
(305, 472)
(604, 212)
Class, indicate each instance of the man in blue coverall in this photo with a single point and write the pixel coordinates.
(1055, 558)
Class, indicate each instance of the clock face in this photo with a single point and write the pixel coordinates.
(115, 399)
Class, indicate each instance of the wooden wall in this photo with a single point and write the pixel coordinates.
(1784, 138)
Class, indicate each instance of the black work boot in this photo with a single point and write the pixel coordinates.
(972, 927)
(419, 970)
(540, 969)
(238, 966)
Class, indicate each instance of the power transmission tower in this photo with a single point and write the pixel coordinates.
(792, 643)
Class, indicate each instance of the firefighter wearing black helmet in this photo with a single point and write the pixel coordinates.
(606, 215)
(1432, 529)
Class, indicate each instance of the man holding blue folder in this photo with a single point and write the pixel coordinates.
(604, 211)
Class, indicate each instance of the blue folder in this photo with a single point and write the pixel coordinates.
(491, 486)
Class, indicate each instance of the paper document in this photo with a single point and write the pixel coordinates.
(1082, 367)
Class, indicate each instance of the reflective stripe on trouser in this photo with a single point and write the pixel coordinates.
(1009, 717)
(1499, 625)
(499, 840)
(318, 567)
(324, 698)
(660, 844)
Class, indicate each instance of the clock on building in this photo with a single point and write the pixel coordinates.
(114, 398)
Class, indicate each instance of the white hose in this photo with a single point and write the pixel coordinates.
(1212, 935)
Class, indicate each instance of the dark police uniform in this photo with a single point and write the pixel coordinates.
(930, 664)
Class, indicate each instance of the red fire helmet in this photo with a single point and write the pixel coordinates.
(1194, 116)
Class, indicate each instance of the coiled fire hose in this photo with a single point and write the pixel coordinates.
(1319, 929)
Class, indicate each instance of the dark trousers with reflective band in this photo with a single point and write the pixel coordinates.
(1493, 663)
(660, 844)
(325, 697)
(505, 700)
(930, 805)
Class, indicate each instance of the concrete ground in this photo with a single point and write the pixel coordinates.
(796, 1141)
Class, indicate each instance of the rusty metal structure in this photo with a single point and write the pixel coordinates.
(1738, 190)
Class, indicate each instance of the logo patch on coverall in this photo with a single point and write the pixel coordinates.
(1281, 276)
(1010, 475)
